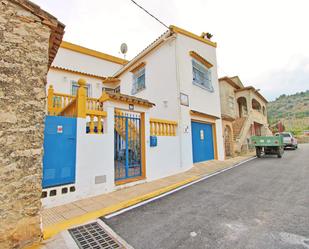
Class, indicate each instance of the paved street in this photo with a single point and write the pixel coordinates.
(261, 204)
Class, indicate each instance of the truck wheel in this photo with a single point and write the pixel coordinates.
(258, 152)
(279, 153)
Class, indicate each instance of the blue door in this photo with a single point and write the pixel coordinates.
(202, 142)
(59, 151)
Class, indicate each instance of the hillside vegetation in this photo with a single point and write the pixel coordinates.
(291, 110)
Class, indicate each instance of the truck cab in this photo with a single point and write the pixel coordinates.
(289, 140)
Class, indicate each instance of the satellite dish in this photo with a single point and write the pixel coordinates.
(124, 49)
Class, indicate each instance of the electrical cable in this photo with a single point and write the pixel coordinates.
(149, 13)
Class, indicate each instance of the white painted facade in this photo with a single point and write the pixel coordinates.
(69, 66)
(168, 73)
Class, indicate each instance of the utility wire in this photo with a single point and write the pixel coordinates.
(149, 13)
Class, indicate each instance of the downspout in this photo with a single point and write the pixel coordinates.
(178, 104)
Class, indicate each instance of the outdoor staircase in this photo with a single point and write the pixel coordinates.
(120, 127)
(238, 125)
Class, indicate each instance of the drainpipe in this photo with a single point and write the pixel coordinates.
(178, 104)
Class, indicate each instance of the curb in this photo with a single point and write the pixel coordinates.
(54, 229)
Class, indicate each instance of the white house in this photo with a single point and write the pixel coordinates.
(73, 62)
(166, 117)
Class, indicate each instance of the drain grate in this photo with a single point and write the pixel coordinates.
(93, 236)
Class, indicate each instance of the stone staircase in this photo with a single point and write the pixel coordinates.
(238, 124)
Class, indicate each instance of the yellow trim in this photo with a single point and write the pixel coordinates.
(163, 121)
(139, 59)
(121, 98)
(203, 115)
(139, 66)
(54, 229)
(81, 99)
(94, 53)
(77, 72)
(161, 127)
(201, 59)
(143, 144)
(111, 80)
(96, 113)
(214, 137)
(125, 181)
(191, 35)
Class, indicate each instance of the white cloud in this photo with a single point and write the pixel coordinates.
(257, 40)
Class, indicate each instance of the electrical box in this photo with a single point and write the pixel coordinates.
(153, 141)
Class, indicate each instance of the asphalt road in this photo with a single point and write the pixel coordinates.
(261, 204)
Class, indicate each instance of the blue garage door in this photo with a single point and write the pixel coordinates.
(202, 142)
(59, 151)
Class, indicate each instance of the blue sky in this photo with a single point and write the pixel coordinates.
(264, 42)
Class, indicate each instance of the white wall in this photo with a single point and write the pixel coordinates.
(94, 158)
(65, 58)
(69, 59)
(199, 99)
(61, 82)
(160, 81)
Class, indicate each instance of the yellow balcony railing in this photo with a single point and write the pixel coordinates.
(78, 106)
(161, 127)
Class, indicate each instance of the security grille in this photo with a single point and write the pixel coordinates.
(93, 236)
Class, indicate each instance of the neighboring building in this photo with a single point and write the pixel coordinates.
(30, 38)
(73, 62)
(243, 114)
(166, 117)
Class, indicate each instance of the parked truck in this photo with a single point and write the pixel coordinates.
(268, 145)
(289, 141)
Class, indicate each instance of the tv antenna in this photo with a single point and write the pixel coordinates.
(124, 49)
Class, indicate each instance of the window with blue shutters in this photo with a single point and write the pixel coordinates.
(138, 81)
(202, 75)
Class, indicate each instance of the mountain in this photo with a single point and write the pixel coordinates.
(291, 110)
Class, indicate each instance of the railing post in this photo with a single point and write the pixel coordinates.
(50, 100)
(99, 127)
(81, 99)
(91, 125)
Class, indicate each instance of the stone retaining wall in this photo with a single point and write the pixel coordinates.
(23, 68)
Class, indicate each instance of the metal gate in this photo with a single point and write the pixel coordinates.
(127, 145)
(59, 151)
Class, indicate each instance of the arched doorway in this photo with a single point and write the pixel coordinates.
(228, 142)
(242, 106)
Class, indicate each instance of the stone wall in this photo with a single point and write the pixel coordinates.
(23, 69)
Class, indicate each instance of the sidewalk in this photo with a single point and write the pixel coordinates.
(63, 217)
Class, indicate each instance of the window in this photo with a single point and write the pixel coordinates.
(74, 88)
(201, 75)
(138, 80)
(231, 102)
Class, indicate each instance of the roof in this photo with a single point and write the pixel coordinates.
(91, 52)
(248, 88)
(57, 68)
(237, 80)
(178, 30)
(160, 40)
(229, 81)
(125, 98)
(57, 28)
